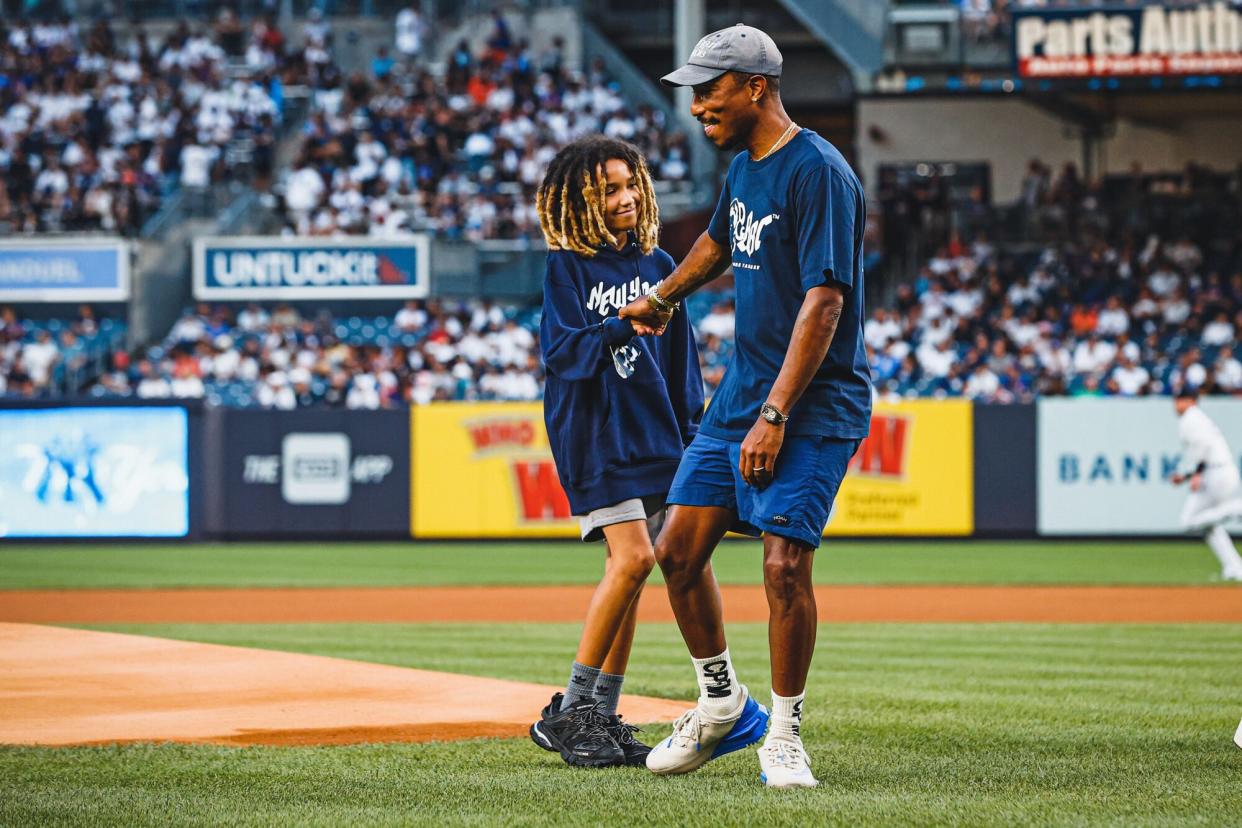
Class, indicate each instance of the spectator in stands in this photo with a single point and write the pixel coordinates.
(410, 31)
(1219, 332)
(412, 317)
(39, 358)
(151, 385)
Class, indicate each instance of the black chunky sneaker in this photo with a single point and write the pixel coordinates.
(578, 733)
(623, 734)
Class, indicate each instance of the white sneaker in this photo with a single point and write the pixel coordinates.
(785, 765)
(697, 739)
(1237, 737)
(1231, 575)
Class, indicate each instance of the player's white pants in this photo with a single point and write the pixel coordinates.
(1219, 500)
(1207, 510)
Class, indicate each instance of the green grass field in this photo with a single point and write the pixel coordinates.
(41, 566)
(988, 724)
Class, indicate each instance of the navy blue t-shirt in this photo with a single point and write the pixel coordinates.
(793, 221)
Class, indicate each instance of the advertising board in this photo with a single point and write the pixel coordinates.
(64, 270)
(1131, 41)
(315, 472)
(913, 475)
(1104, 464)
(245, 268)
(94, 472)
(485, 470)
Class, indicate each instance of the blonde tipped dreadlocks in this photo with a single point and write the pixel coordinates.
(571, 200)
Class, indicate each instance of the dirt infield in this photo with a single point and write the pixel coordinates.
(73, 687)
(567, 604)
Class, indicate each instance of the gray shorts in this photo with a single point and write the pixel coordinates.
(650, 509)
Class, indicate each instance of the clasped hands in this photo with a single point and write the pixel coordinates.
(645, 319)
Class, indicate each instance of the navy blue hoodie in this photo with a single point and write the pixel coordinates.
(620, 409)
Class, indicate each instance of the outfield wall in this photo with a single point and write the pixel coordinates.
(930, 468)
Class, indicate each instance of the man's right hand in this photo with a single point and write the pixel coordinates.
(645, 318)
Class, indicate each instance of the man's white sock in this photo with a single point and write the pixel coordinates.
(1226, 552)
(786, 721)
(720, 695)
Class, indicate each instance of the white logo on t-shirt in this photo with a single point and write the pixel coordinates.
(605, 298)
(746, 231)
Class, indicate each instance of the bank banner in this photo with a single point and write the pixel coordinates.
(243, 268)
(485, 470)
(913, 475)
(316, 473)
(1104, 464)
(1132, 41)
(94, 472)
(64, 270)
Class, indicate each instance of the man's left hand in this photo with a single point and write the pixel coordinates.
(759, 452)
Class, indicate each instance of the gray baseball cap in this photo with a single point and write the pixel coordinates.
(739, 48)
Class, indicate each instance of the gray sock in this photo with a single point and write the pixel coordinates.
(608, 690)
(581, 684)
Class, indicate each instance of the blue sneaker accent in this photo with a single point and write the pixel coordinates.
(748, 729)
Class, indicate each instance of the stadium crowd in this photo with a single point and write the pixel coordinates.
(1130, 285)
(95, 131)
(460, 153)
(53, 357)
(279, 358)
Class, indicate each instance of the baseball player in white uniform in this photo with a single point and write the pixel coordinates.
(1215, 483)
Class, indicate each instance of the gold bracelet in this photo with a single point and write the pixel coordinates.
(659, 302)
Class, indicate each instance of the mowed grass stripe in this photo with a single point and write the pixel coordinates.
(1007, 660)
(908, 724)
(864, 783)
(85, 566)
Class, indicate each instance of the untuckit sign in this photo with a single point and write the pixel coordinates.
(246, 268)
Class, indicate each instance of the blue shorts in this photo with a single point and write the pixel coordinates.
(796, 504)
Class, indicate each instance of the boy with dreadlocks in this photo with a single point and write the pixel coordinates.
(620, 407)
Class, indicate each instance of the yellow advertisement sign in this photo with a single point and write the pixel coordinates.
(914, 475)
(485, 470)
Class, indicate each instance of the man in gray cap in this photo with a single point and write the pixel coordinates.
(791, 411)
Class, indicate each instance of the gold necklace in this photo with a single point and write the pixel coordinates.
(784, 135)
